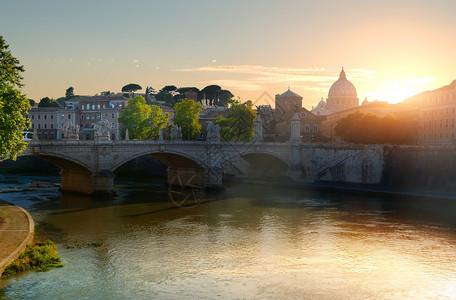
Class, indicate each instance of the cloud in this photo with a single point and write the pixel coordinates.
(269, 75)
(420, 80)
(244, 85)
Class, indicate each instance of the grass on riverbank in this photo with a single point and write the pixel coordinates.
(41, 256)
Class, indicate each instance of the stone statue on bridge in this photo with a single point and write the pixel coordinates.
(101, 131)
(213, 132)
(70, 131)
(258, 129)
(176, 132)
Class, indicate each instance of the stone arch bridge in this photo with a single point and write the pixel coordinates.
(87, 166)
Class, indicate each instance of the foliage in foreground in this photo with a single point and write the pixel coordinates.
(13, 104)
(40, 257)
(369, 128)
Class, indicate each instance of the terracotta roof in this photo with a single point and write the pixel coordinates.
(288, 94)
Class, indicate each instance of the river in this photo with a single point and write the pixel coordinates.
(247, 241)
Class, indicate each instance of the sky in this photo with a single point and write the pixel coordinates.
(389, 49)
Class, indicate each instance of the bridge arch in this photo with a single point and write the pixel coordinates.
(263, 164)
(173, 159)
(63, 162)
(183, 169)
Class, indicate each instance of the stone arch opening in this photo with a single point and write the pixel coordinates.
(180, 170)
(258, 165)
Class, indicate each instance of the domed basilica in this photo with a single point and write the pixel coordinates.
(342, 95)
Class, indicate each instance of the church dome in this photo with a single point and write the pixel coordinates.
(342, 87)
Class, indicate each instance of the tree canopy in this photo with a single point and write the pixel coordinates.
(211, 92)
(186, 116)
(131, 88)
(69, 93)
(362, 128)
(13, 105)
(238, 126)
(142, 121)
(48, 102)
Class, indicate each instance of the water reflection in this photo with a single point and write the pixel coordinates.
(245, 242)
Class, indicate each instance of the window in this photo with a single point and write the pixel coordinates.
(452, 122)
(307, 128)
(88, 106)
(39, 126)
(98, 117)
(63, 117)
(113, 125)
(69, 117)
(82, 117)
(315, 128)
(98, 106)
(45, 126)
(39, 117)
(93, 106)
(33, 126)
(52, 126)
(45, 117)
(52, 117)
(45, 136)
(104, 106)
(93, 117)
(106, 116)
(82, 107)
(52, 136)
(441, 123)
(33, 117)
(112, 116)
(446, 123)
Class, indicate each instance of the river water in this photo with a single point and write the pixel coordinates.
(248, 241)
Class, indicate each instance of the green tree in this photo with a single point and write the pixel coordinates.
(186, 116)
(224, 97)
(211, 92)
(131, 88)
(13, 105)
(69, 93)
(32, 102)
(361, 128)
(142, 121)
(238, 126)
(48, 102)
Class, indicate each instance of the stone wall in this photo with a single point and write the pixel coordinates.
(425, 168)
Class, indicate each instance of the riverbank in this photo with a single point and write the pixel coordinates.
(16, 232)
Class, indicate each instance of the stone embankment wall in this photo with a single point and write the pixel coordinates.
(344, 163)
(405, 167)
(420, 167)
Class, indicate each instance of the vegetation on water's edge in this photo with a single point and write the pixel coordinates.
(41, 256)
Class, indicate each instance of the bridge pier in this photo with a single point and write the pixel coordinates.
(85, 182)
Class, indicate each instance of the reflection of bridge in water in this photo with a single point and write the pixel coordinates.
(87, 166)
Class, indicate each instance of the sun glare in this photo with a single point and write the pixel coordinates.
(396, 91)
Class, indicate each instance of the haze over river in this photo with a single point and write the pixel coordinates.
(248, 241)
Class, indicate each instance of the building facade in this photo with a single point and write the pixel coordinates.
(288, 104)
(437, 114)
